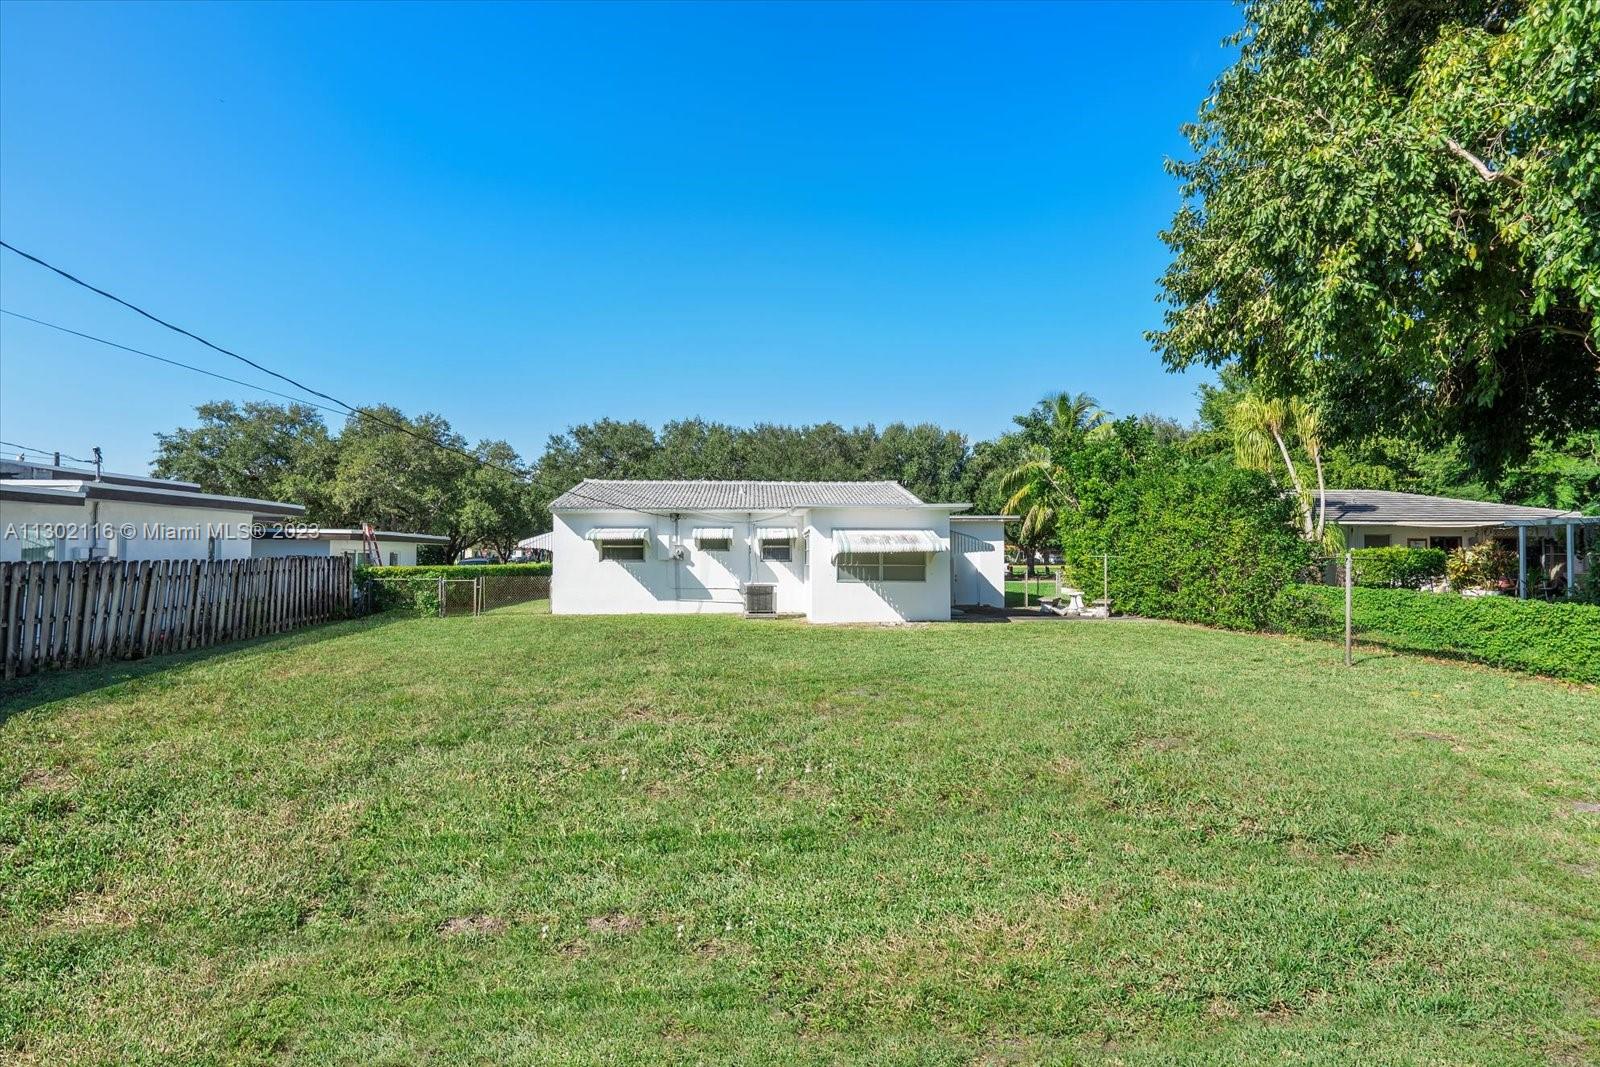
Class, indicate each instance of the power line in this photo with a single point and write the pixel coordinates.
(347, 409)
(170, 362)
(44, 452)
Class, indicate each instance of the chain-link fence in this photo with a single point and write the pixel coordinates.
(513, 593)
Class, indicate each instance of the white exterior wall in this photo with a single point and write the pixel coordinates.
(836, 601)
(978, 559)
(279, 547)
(711, 582)
(405, 552)
(153, 531)
(1355, 535)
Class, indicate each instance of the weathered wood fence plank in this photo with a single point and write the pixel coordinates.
(79, 612)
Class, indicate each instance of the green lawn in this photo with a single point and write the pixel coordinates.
(544, 840)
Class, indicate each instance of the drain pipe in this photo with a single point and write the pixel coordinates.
(677, 570)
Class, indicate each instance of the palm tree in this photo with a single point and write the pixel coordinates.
(1038, 488)
(1263, 428)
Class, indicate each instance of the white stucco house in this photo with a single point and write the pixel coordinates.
(828, 551)
(50, 512)
(1549, 542)
(397, 548)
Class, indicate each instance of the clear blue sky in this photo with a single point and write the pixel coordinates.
(525, 217)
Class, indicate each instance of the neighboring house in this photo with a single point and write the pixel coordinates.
(49, 512)
(830, 551)
(1546, 539)
(534, 549)
(397, 549)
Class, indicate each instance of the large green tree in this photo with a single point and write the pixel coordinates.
(1393, 207)
(260, 450)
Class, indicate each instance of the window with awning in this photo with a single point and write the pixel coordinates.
(713, 538)
(777, 543)
(859, 542)
(625, 544)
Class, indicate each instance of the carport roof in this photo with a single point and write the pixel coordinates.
(1380, 507)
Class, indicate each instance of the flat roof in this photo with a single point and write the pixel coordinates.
(76, 493)
(353, 533)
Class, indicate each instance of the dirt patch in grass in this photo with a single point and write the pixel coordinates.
(1584, 807)
(468, 925)
(615, 923)
(46, 780)
(1164, 744)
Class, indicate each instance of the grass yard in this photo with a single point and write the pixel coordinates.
(542, 840)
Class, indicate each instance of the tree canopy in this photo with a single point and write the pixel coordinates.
(1393, 208)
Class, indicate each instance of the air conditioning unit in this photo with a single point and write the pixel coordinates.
(679, 552)
(760, 599)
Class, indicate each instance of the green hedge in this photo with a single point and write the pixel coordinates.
(420, 593)
(1192, 541)
(1398, 568)
(475, 570)
(1560, 639)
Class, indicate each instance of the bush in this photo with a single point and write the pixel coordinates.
(1484, 565)
(416, 589)
(1190, 540)
(1561, 640)
(1398, 568)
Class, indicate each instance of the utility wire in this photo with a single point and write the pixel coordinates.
(347, 409)
(44, 452)
(171, 362)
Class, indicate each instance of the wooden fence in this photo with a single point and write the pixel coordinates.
(72, 614)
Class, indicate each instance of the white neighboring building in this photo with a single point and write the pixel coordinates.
(398, 549)
(49, 512)
(978, 552)
(830, 551)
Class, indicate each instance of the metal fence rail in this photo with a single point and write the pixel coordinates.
(72, 614)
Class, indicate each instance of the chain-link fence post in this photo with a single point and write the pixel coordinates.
(1349, 600)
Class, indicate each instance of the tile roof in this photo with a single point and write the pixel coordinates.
(1381, 507)
(731, 496)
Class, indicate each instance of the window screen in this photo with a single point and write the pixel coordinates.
(883, 567)
(715, 544)
(624, 551)
(777, 551)
(1376, 540)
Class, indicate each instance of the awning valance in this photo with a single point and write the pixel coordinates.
(618, 533)
(887, 541)
(713, 533)
(776, 533)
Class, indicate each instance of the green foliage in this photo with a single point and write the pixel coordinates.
(260, 450)
(1392, 207)
(1192, 540)
(416, 589)
(1484, 565)
(1398, 568)
(928, 460)
(369, 472)
(1587, 588)
(1561, 639)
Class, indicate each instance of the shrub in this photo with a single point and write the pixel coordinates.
(1398, 568)
(1561, 639)
(1484, 565)
(1190, 540)
(416, 589)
